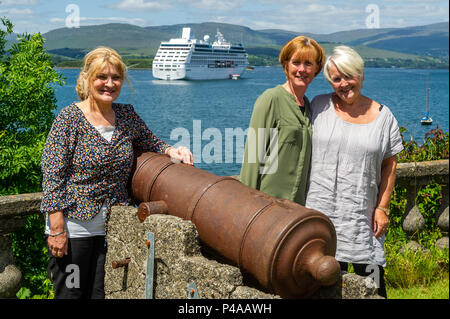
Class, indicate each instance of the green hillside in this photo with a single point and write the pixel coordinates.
(422, 46)
(431, 40)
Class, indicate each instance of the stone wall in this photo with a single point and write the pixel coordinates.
(181, 259)
(178, 260)
(416, 175)
(13, 212)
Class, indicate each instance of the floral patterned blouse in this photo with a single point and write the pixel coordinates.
(81, 169)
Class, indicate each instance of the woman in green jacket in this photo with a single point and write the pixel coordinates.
(278, 147)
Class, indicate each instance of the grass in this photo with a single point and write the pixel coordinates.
(410, 267)
(415, 273)
(436, 290)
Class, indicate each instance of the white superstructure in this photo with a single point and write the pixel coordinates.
(192, 59)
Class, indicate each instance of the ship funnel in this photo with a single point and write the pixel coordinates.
(186, 34)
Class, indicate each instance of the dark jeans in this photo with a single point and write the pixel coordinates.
(366, 270)
(81, 273)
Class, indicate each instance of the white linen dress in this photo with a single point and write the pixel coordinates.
(345, 176)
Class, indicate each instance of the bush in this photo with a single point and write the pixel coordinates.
(408, 267)
(435, 147)
(27, 102)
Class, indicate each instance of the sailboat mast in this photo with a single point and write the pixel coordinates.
(428, 94)
(427, 120)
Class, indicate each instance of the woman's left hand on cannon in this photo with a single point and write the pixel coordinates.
(181, 154)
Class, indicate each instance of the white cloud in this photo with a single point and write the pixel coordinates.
(413, 11)
(140, 5)
(325, 17)
(219, 5)
(18, 2)
(16, 12)
(315, 16)
(145, 5)
(89, 21)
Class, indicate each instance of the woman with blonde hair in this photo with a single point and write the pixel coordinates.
(278, 147)
(355, 142)
(86, 165)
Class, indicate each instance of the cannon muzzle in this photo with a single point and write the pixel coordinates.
(288, 248)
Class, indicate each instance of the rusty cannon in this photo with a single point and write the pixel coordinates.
(287, 248)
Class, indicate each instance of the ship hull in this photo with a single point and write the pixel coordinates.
(198, 73)
(169, 75)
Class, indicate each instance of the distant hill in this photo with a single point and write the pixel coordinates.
(431, 40)
(142, 42)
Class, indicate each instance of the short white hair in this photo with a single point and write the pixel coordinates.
(346, 60)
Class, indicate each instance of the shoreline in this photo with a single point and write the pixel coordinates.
(76, 68)
(274, 66)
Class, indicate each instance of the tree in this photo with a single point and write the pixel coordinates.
(27, 102)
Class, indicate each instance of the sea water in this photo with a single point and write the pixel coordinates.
(204, 115)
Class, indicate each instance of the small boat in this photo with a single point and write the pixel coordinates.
(427, 119)
(234, 76)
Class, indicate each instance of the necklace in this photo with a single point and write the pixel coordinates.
(300, 101)
(358, 108)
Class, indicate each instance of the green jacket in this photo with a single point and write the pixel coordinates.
(281, 174)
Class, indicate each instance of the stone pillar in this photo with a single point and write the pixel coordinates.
(13, 212)
(10, 276)
(413, 176)
(442, 218)
(412, 220)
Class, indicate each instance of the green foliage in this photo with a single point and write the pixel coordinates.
(27, 102)
(70, 64)
(408, 268)
(421, 63)
(20, 156)
(263, 60)
(132, 63)
(435, 147)
(428, 199)
(139, 63)
(30, 256)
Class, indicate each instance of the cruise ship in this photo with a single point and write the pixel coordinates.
(192, 59)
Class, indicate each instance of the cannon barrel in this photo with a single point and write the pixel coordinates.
(288, 248)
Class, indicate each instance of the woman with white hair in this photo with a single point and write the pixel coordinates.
(355, 141)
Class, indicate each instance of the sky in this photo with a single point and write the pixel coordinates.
(315, 16)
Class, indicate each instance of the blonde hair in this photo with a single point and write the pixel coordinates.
(347, 61)
(303, 48)
(95, 61)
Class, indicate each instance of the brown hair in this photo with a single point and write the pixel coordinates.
(95, 61)
(303, 48)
